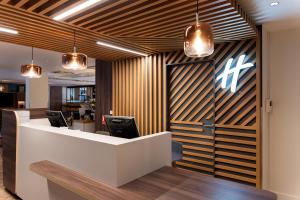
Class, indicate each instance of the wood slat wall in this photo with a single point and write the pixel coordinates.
(141, 88)
(234, 150)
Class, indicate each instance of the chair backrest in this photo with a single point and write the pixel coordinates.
(176, 150)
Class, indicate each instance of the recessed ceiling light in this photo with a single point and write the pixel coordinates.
(120, 48)
(76, 9)
(274, 3)
(7, 30)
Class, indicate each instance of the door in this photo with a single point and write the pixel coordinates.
(192, 113)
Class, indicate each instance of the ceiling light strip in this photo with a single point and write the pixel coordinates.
(76, 9)
(120, 48)
(7, 30)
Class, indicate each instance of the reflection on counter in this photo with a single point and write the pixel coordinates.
(84, 125)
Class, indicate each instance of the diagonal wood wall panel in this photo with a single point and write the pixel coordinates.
(236, 140)
(191, 103)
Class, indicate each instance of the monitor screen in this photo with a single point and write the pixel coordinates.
(56, 119)
(7, 100)
(123, 127)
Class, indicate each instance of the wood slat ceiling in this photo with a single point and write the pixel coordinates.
(148, 26)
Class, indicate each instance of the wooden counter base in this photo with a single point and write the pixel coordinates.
(165, 183)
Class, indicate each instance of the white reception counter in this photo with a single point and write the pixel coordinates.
(110, 160)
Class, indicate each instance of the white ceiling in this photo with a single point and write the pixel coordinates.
(262, 12)
(12, 56)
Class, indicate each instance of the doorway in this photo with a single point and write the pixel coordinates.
(192, 113)
(217, 127)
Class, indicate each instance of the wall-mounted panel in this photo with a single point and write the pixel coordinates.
(103, 92)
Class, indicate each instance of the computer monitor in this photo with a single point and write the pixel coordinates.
(56, 119)
(124, 127)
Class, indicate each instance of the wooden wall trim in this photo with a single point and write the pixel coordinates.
(103, 92)
(56, 98)
(258, 107)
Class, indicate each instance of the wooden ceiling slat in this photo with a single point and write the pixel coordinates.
(60, 38)
(57, 26)
(121, 13)
(52, 7)
(174, 21)
(36, 5)
(150, 17)
(5, 1)
(21, 3)
(141, 15)
(148, 26)
(72, 5)
(76, 20)
(182, 10)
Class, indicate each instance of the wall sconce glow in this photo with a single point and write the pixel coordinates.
(236, 72)
(76, 9)
(120, 48)
(7, 30)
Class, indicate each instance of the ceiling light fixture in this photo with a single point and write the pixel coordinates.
(74, 61)
(7, 30)
(120, 48)
(31, 70)
(198, 38)
(75, 9)
(274, 3)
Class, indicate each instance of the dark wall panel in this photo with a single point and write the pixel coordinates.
(55, 98)
(103, 91)
(9, 129)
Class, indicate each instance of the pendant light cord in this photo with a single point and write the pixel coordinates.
(74, 45)
(197, 12)
(32, 55)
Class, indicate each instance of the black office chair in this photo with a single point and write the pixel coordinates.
(176, 152)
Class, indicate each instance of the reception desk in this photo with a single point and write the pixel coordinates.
(109, 160)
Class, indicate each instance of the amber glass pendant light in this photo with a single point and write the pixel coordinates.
(198, 38)
(31, 70)
(74, 61)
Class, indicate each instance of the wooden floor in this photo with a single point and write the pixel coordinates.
(4, 195)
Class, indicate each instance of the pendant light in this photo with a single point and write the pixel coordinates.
(31, 70)
(198, 38)
(74, 61)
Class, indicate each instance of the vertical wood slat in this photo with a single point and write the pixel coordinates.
(154, 94)
(150, 95)
(146, 96)
(142, 96)
(139, 91)
(258, 108)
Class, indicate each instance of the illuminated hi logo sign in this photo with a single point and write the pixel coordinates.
(235, 71)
